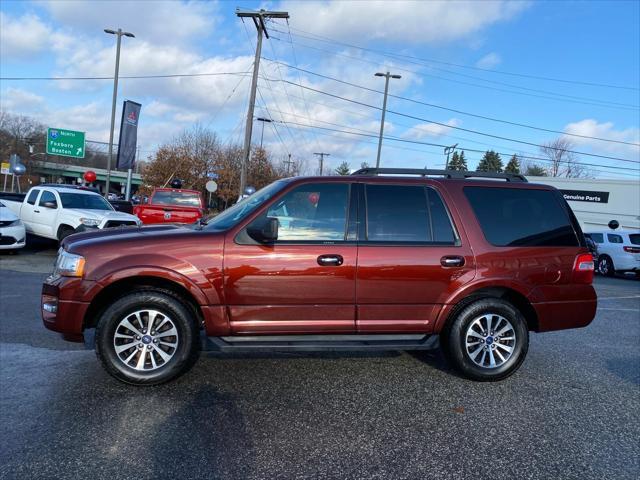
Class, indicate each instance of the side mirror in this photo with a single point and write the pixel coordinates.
(264, 230)
(50, 204)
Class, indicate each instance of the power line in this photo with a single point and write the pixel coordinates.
(172, 75)
(320, 38)
(418, 142)
(461, 112)
(557, 97)
(414, 117)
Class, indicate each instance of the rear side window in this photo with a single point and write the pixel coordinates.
(407, 214)
(634, 238)
(32, 197)
(521, 217)
(597, 237)
(613, 238)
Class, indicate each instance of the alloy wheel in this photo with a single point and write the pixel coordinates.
(490, 340)
(145, 340)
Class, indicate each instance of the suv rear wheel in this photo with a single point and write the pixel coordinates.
(488, 340)
(147, 337)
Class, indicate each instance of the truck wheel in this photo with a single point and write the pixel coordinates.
(64, 231)
(147, 337)
(605, 266)
(488, 340)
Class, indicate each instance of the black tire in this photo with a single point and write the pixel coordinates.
(605, 266)
(453, 341)
(170, 306)
(64, 231)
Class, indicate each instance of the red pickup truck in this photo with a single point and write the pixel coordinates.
(171, 205)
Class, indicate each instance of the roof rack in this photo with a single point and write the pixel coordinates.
(451, 174)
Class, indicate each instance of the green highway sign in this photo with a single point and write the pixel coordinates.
(67, 143)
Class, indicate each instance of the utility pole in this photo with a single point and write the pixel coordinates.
(386, 76)
(288, 163)
(119, 35)
(263, 120)
(322, 155)
(258, 20)
(447, 151)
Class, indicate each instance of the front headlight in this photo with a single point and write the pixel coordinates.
(69, 264)
(90, 222)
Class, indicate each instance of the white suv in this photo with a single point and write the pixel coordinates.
(618, 251)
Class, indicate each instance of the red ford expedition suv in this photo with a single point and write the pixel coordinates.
(377, 260)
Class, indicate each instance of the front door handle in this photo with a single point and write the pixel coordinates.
(36, 211)
(452, 261)
(326, 260)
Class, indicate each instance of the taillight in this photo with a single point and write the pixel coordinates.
(632, 249)
(583, 269)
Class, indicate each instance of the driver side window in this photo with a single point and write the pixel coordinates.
(312, 212)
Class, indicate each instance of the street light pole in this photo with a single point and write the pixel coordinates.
(384, 110)
(119, 33)
(263, 120)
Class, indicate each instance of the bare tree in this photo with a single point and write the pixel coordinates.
(564, 163)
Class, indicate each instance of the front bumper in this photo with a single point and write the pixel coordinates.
(12, 237)
(63, 309)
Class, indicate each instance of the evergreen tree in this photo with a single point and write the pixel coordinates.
(535, 171)
(463, 162)
(457, 162)
(490, 162)
(343, 169)
(514, 165)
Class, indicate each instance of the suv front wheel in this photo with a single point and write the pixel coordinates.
(488, 340)
(147, 337)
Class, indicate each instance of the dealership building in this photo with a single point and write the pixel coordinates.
(598, 201)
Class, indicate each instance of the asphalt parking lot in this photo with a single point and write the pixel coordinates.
(571, 411)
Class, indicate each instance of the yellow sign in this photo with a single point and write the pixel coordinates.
(6, 168)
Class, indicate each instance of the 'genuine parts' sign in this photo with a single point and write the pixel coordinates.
(585, 196)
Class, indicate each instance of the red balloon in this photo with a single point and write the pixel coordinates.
(90, 176)
(314, 197)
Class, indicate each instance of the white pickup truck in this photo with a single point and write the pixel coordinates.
(56, 211)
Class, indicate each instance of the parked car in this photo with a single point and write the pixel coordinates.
(171, 205)
(12, 232)
(58, 211)
(361, 262)
(618, 251)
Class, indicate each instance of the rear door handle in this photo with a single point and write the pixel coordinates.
(452, 261)
(36, 211)
(326, 260)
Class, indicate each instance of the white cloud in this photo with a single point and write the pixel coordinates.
(401, 21)
(159, 22)
(20, 101)
(591, 128)
(489, 61)
(23, 36)
(430, 130)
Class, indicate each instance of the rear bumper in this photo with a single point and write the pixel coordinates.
(562, 314)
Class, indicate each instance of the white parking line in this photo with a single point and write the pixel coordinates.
(621, 309)
(618, 298)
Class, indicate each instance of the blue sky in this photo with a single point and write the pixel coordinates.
(455, 55)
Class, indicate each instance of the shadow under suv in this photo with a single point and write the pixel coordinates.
(377, 260)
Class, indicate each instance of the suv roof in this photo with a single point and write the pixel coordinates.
(448, 174)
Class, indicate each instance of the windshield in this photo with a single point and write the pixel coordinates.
(183, 199)
(84, 201)
(240, 210)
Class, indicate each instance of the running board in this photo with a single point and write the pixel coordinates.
(314, 343)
